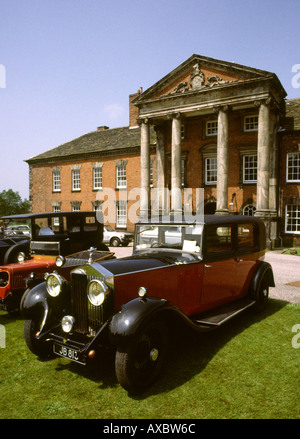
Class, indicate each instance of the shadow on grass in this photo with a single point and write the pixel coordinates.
(100, 370)
(9, 317)
(189, 354)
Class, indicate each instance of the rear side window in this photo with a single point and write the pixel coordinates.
(218, 240)
(247, 237)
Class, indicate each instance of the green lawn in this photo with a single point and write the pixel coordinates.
(292, 251)
(246, 369)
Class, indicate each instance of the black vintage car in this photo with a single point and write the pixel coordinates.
(52, 234)
(196, 273)
(10, 246)
(15, 238)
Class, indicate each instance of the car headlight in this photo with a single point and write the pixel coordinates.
(60, 261)
(54, 284)
(67, 323)
(97, 291)
(21, 257)
(142, 291)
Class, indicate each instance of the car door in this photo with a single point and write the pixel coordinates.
(246, 257)
(219, 267)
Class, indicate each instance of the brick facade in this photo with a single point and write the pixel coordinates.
(110, 148)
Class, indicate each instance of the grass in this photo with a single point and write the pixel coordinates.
(292, 251)
(247, 369)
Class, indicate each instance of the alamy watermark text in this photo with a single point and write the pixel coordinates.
(296, 77)
(2, 76)
(2, 336)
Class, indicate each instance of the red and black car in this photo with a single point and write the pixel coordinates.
(200, 274)
(52, 234)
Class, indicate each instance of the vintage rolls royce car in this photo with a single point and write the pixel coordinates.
(207, 273)
(52, 234)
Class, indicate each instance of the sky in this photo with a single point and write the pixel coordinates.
(68, 66)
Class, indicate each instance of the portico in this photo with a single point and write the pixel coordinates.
(202, 89)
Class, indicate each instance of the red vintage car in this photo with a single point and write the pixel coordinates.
(52, 234)
(196, 273)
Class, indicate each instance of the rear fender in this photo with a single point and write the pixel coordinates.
(263, 271)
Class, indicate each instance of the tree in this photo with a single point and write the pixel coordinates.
(11, 203)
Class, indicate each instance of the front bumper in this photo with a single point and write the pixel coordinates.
(76, 347)
(126, 239)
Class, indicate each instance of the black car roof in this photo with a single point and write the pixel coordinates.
(205, 219)
(48, 214)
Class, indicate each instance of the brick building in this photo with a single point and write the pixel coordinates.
(210, 124)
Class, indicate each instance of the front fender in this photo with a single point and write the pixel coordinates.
(126, 322)
(35, 302)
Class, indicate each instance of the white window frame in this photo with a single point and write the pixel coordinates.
(296, 208)
(97, 178)
(121, 212)
(76, 180)
(251, 123)
(121, 177)
(56, 182)
(182, 132)
(296, 170)
(206, 161)
(252, 168)
(56, 219)
(249, 210)
(211, 128)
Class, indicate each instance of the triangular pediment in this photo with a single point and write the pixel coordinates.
(200, 73)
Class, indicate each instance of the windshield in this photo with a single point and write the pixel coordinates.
(187, 238)
(108, 228)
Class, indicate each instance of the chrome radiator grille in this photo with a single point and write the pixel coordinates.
(88, 318)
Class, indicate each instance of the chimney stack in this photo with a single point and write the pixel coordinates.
(102, 128)
(133, 110)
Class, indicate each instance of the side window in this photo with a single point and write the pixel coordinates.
(90, 224)
(218, 240)
(247, 237)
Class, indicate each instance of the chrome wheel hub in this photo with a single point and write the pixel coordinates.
(154, 354)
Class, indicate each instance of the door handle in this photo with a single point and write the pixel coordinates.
(207, 266)
(239, 260)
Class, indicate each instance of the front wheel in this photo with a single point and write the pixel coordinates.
(115, 242)
(31, 327)
(139, 363)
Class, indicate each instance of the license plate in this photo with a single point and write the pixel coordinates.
(70, 353)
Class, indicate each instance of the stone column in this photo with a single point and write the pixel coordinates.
(263, 159)
(222, 161)
(176, 203)
(145, 169)
(160, 202)
(273, 181)
(263, 166)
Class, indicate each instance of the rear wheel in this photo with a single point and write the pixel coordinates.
(139, 363)
(261, 296)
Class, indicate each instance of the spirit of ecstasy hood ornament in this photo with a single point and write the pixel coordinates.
(91, 251)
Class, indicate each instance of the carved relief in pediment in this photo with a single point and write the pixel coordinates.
(197, 78)
(199, 81)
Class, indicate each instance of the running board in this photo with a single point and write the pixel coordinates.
(220, 315)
